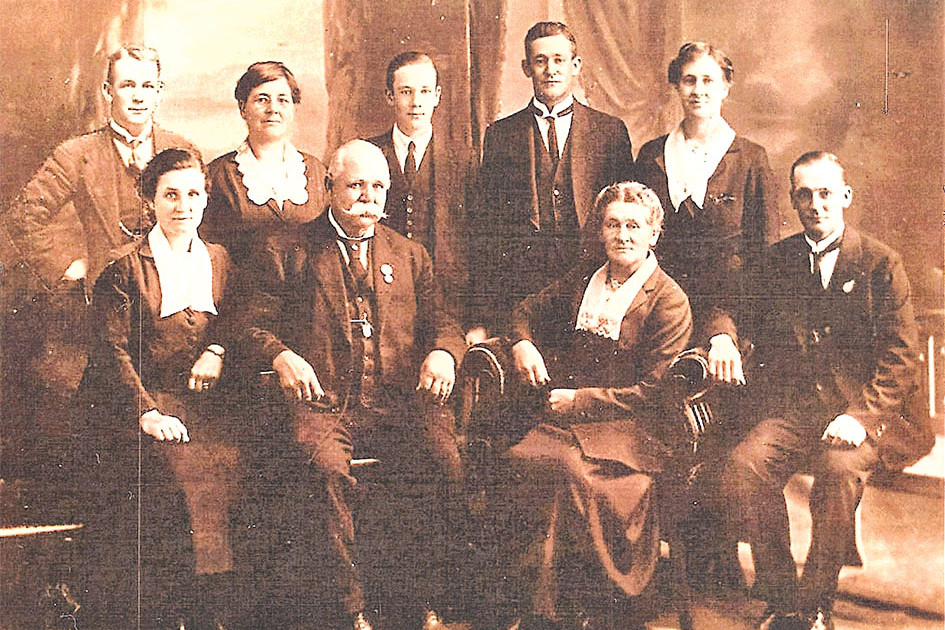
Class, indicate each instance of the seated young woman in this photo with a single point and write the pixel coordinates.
(164, 473)
(598, 342)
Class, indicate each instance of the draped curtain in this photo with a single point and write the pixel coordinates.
(626, 46)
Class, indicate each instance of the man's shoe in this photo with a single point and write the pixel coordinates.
(360, 622)
(774, 620)
(821, 620)
(433, 621)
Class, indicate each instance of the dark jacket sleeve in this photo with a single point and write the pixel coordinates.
(116, 300)
(882, 397)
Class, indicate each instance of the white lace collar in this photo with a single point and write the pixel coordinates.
(263, 183)
(602, 308)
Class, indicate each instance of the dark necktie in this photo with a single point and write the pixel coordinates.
(410, 165)
(817, 257)
(136, 162)
(552, 132)
(353, 246)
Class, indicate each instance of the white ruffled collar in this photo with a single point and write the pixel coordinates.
(263, 184)
(602, 308)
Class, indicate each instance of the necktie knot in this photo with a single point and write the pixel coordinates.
(553, 150)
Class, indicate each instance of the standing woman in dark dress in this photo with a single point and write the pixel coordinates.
(721, 206)
(266, 184)
(721, 213)
(165, 466)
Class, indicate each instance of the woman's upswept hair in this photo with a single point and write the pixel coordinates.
(627, 192)
(264, 72)
(164, 162)
(693, 50)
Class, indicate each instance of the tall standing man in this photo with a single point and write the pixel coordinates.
(350, 319)
(429, 179)
(834, 373)
(542, 168)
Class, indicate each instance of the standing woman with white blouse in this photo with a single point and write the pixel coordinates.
(721, 213)
(266, 185)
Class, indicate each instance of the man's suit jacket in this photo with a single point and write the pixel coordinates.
(506, 219)
(612, 420)
(81, 176)
(300, 300)
(850, 349)
(452, 179)
(714, 252)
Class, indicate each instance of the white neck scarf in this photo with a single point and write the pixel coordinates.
(186, 277)
(687, 169)
(602, 308)
(282, 182)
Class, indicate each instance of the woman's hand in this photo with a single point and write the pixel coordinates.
(163, 428)
(725, 361)
(529, 363)
(297, 376)
(206, 371)
(561, 400)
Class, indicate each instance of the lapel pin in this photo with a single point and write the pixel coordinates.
(848, 286)
(388, 272)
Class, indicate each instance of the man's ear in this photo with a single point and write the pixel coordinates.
(107, 91)
(527, 69)
(390, 96)
(847, 196)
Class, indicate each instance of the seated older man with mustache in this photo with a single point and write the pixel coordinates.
(351, 320)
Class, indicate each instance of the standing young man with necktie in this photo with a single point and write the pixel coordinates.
(541, 169)
(430, 176)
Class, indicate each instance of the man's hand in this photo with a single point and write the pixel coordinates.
(296, 376)
(438, 374)
(529, 363)
(77, 270)
(844, 430)
(561, 400)
(163, 428)
(725, 361)
(476, 334)
(206, 371)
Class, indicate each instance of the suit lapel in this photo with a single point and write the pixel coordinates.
(103, 164)
(847, 268)
(577, 138)
(525, 132)
(383, 254)
(328, 273)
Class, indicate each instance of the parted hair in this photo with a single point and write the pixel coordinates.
(408, 58)
(164, 162)
(627, 192)
(549, 29)
(134, 51)
(264, 72)
(816, 156)
(693, 50)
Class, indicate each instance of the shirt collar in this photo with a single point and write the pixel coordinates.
(124, 133)
(567, 102)
(821, 245)
(344, 235)
(420, 141)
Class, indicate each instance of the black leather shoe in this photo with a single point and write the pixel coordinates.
(821, 619)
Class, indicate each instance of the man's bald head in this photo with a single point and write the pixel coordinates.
(358, 179)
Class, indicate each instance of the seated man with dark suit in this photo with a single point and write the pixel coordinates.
(834, 371)
(350, 318)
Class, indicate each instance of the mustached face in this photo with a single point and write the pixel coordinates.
(359, 189)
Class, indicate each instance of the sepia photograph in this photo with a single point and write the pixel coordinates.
(472, 315)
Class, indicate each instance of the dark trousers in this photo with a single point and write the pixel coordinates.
(753, 482)
(402, 538)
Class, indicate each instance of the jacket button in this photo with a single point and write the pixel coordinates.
(819, 387)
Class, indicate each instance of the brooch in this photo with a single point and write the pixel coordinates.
(388, 272)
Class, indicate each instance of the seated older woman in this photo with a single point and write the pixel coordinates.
(599, 343)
